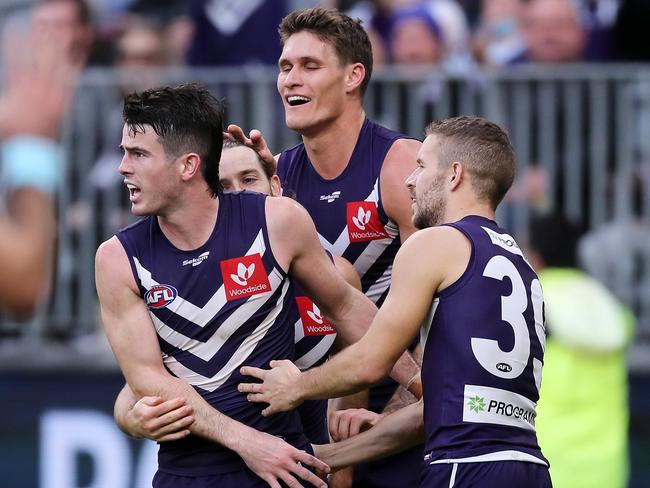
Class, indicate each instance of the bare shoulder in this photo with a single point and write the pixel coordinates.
(403, 153)
(112, 264)
(442, 251)
(285, 213)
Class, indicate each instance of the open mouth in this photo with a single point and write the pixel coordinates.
(133, 190)
(296, 100)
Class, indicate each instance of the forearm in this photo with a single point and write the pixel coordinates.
(208, 423)
(26, 243)
(396, 432)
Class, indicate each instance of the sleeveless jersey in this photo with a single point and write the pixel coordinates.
(215, 309)
(484, 344)
(348, 210)
(314, 337)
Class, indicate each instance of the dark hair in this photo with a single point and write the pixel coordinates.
(485, 150)
(555, 238)
(269, 169)
(344, 34)
(186, 118)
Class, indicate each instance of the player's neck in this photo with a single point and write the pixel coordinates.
(190, 224)
(458, 211)
(330, 149)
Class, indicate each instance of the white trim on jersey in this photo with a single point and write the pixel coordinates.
(236, 360)
(310, 358)
(492, 456)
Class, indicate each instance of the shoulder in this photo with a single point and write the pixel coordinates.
(403, 150)
(441, 251)
(286, 214)
(112, 263)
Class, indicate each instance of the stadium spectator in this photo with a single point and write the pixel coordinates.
(553, 32)
(415, 37)
(497, 39)
(582, 416)
(235, 33)
(39, 81)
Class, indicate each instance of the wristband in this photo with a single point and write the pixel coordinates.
(415, 386)
(31, 161)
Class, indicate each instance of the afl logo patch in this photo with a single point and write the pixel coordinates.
(159, 296)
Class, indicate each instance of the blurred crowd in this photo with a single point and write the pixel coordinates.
(447, 34)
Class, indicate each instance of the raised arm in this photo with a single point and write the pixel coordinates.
(131, 334)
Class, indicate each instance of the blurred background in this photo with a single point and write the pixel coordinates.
(570, 80)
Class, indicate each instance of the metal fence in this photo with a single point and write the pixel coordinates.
(581, 134)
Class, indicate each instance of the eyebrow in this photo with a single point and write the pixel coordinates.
(302, 59)
(133, 149)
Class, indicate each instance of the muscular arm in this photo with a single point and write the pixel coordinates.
(293, 237)
(393, 433)
(399, 163)
(133, 339)
(417, 275)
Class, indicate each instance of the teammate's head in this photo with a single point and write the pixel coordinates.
(241, 168)
(456, 151)
(346, 35)
(185, 119)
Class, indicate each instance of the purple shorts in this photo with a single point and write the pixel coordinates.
(234, 479)
(494, 474)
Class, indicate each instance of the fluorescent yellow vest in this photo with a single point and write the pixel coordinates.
(583, 411)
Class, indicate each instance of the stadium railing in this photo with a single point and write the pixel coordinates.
(581, 134)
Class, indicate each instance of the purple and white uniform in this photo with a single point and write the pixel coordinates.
(484, 342)
(352, 223)
(348, 210)
(219, 307)
(314, 338)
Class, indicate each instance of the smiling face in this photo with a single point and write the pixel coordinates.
(240, 169)
(427, 187)
(152, 179)
(311, 82)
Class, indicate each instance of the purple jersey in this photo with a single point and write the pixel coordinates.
(348, 210)
(219, 307)
(314, 338)
(351, 222)
(483, 350)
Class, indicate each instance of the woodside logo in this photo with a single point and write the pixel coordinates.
(363, 222)
(244, 276)
(313, 323)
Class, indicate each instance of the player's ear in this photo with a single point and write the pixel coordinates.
(456, 174)
(276, 189)
(189, 165)
(355, 75)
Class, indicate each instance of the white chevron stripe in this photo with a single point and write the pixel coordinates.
(299, 331)
(374, 249)
(377, 289)
(315, 354)
(207, 350)
(343, 240)
(199, 315)
(237, 359)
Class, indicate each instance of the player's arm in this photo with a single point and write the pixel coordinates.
(394, 433)
(399, 163)
(417, 275)
(293, 238)
(152, 417)
(134, 342)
